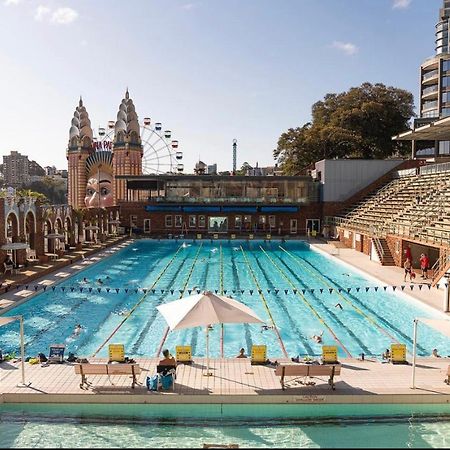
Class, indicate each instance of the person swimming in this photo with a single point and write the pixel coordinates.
(77, 330)
(100, 281)
(318, 337)
(338, 305)
(266, 327)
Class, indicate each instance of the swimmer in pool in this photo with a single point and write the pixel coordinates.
(77, 330)
(338, 305)
(318, 337)
(100, 281)
(266, 327)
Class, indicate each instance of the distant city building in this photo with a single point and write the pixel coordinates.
(50, 171)
(16, 169)
(263, 171)
(434, 102)
(200, 168)
(211, 169)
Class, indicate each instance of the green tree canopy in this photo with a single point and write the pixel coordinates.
(358, 123)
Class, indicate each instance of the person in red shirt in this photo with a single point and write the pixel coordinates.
(424, 263)
(408, 254)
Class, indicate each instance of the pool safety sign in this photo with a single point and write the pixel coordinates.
(329, 353)
(398, 353)
(116, 352)
(183, 353)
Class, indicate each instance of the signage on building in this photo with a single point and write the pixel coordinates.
(102, 146)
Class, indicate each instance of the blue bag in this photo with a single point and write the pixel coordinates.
(152, 383)
(166, 381)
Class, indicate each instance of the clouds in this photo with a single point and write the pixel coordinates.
(347, 48)
(64, 16)
(11, 2)
(41, 13)
(401, 4)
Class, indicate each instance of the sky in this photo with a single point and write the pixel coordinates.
(211, 71)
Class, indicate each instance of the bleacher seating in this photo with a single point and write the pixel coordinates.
(413, 206)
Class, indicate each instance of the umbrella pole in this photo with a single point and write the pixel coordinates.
(207, 374)
(414, 355)
(22, 353)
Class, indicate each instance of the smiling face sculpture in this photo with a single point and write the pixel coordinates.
(99, 188)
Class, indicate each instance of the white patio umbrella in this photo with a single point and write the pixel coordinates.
(203, 310)
(92, 227)
(6, 320)
(54, 236)
(13, 246)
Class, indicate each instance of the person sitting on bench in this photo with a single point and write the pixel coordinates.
(8, 265)
(165, 373)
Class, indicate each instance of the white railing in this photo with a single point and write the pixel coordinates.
(435, 168)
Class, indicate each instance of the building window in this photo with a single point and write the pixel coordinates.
(218, 224)
(192, 221)
(201, 221)
(169, 222)
(272, 222)
(147, 227)
(133, 221)
(248, 222)
(446, 64)
(178, 221)
(445, 112)
(238, 222)
(444, 148)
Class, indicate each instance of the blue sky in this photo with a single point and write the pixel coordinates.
(209, 70)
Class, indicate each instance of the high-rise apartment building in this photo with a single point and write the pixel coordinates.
(434, 100)
(16, 169)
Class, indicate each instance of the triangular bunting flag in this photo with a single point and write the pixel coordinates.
(321, 291)
(90, 289)
(251, 291)
(63, 288)
(294, 291)
(420, 287)
(367, 289)
(376, 288)
(117, 290)
(189, 291)
(53, 288)
(358, 289)
(99, 289)
(331, 290)
(385, 287)
(108, 289)
(286, 291)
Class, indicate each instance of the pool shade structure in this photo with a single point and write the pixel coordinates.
(204, 310)
(441, 325)
(5, 321)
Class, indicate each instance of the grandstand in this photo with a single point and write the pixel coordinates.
(413, 206)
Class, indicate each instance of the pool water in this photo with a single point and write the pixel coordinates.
(256, 273)
(190, 426)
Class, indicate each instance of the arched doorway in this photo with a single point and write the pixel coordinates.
(68, 232)
(48, 243)
(12, 228)
(30, 230)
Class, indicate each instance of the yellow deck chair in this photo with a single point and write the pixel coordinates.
(313, 233)
(116, 352)
(183, 354)
(259, 354)
(250, 236)
(268, 236)
(215, 236)
(398, 354)
(233, 236)
(329, 354)
(199, 236)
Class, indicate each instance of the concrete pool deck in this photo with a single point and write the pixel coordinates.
(57, 271)
(234, 381)
(388, 275)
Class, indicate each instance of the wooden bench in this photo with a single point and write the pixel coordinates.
(106, 369)
(308, 370)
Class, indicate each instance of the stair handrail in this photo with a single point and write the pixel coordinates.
(379, 248)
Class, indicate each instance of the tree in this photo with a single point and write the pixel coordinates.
(358, 123)
(243, 170)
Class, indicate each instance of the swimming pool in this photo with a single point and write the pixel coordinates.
(287, 284)
(190, 426)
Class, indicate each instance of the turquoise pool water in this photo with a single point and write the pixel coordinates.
(368, 323)
(190, 426)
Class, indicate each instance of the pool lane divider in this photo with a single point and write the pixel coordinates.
(260, 292)
(221, 293)
(116, 329)
(308, 304)
(358, 310)
(166, 331)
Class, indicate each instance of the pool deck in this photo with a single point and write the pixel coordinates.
(53, 272)
(233, 381)
(388, 275)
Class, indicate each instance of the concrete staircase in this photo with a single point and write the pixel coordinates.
(383, 252)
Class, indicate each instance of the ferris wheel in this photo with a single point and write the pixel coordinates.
(161, 154)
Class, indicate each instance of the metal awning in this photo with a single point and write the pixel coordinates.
(435, 131)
